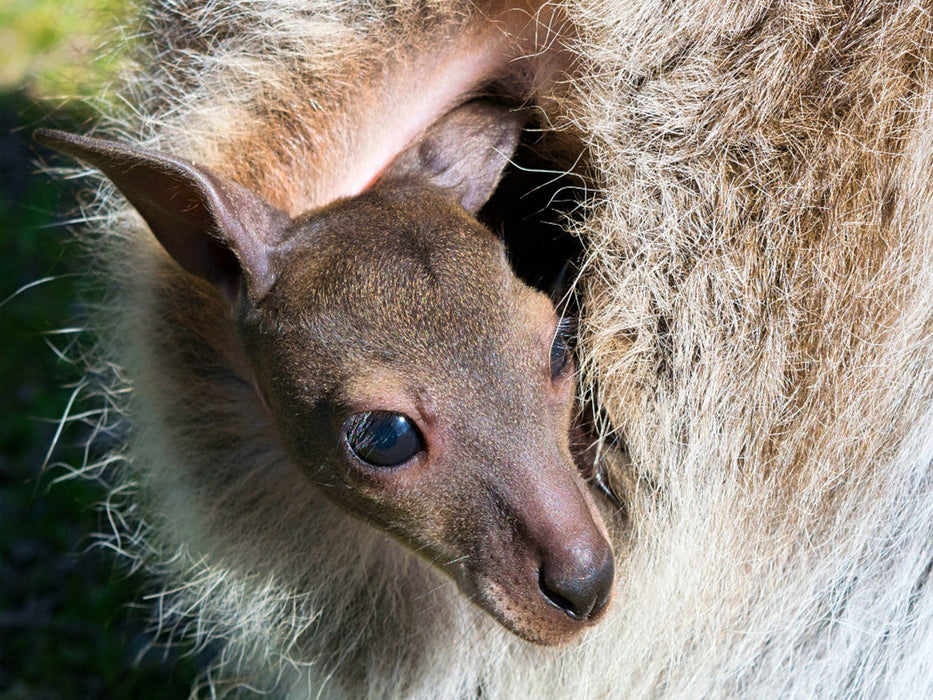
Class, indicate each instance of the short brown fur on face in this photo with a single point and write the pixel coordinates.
(431, 324)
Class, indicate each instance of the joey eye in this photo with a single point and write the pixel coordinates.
(383, 439)
(560, 354)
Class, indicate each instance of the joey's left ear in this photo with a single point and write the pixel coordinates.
(463, 153)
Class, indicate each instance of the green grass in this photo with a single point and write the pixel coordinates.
(55, 48)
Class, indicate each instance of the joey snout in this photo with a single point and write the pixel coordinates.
(538, 555)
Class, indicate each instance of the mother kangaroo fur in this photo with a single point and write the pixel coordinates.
(756, 329)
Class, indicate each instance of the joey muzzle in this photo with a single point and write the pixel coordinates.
(544, 565)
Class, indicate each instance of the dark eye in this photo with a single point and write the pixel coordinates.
(383, 439)
(560, 353)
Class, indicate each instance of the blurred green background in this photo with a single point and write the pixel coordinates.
(73, 622)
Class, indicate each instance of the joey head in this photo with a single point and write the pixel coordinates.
(411, 375)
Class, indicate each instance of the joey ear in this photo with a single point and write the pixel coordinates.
(463, 153)
(212, 227)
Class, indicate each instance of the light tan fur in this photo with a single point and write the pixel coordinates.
(756, 325)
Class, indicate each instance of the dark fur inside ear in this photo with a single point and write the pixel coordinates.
(211, 226)
(463, 153)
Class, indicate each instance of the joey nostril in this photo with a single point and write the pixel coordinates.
(582, 589)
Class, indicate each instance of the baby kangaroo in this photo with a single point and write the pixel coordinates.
(411, 376)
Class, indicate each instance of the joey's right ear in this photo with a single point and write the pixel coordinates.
(211, 226)
(463, 153)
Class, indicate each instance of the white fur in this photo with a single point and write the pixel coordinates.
(757, 321)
